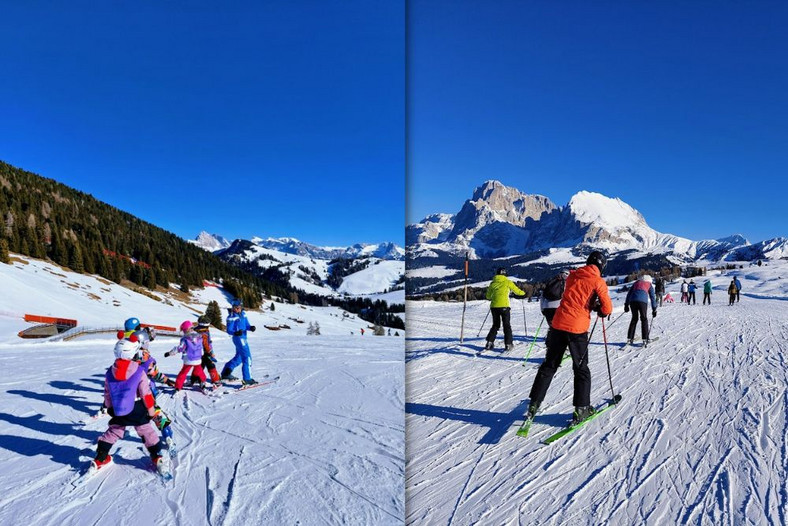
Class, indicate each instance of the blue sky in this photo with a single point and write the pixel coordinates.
(678, 108)
(240, 118)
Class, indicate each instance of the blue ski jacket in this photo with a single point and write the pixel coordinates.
(642, 291)
(237, 322)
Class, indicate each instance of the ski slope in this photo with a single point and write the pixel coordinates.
(323, 445)
(700, 437)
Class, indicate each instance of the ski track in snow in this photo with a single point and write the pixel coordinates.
(324, 445)
(699, 437)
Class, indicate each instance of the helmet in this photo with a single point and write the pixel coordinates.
(501, 271)
(143, 337)
(648, 279)
(185, 326)
(237, 303)
(204, 320)
(132, 324)
(126, 349)
(597, 258)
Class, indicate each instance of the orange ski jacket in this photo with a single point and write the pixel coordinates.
(574, 313)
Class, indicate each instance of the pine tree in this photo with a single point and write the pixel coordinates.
(215, 314)
(4, 256)
(75, 261)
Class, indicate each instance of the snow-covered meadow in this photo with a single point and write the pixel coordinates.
(323, 445)
(700, 436)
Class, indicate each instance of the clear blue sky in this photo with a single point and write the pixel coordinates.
(678, 108)
(268, 118)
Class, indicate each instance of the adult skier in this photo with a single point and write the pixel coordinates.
(585, 291)
(129, 401)
(551, 296)
(707, 292)
(691, 288)
(637, 301)
(237, 325)
(733, 291)
(684, 289)
(738, 287)
(498, 294)
(659, 289)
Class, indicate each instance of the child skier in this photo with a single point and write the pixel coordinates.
(148, 364)
(191, 348)
(130, 402)
(237, 325)
(208, 359)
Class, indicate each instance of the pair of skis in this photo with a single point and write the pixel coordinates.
(526, 427)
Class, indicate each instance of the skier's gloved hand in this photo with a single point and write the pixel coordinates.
(654, 313)
(171, 352)
(238, 333)
(626, 307)
(252, 328)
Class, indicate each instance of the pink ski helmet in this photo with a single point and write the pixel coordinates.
(185, 326)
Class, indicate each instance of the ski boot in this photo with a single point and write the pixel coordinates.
(98, 463)
(581, 413)
(162, 465)
(630, 340)
(228, 377)
(533, 408)
(488, 346)
(509, 347)
(248, 383)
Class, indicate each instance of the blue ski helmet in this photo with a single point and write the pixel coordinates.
(132, 324)
(237, 303)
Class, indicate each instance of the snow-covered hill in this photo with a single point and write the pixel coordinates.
(375, 269)
(698, 438)
(324, 445)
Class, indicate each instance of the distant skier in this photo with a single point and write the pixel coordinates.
(707, 292)
(362, 332)
(637, 301)
(129, 401)
(191, 348)
(691, 288)
(551, 296)
(208, 362)
(659, 289)
(585, 291)
(237, 325)
(738, 287)
(733, 290)
(498, 294)
(684, 289)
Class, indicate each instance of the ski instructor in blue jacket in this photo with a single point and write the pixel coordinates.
(237, 325)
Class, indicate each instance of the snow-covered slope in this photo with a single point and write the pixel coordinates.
(700, 436)
(324, 445)
(308, 267)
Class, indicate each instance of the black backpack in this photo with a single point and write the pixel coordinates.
(554, 288)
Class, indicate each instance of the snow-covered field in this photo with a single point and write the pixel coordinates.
(700, 436)
(323, 445)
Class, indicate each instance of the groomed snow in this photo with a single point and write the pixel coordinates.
(324, 445)
(700, 437)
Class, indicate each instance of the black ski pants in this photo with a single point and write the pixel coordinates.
(639, 309)
(691, 298)
(557, 342)
(733, 299)
(501, 315)
(707, 296)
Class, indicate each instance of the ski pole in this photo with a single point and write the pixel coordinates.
(593, 329)
(614, 321)
(485, 321)
(607, 357)
(525, 325)
(533, 342)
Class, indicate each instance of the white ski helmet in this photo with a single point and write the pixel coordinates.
(144, 338)
(648, 279)
(126, 349)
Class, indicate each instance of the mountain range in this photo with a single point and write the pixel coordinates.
(499, 221)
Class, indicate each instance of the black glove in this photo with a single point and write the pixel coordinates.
(654, 313)
(626, 307)
(238, 333)
(252, 328)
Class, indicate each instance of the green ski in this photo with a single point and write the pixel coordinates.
(523, 431)
(601, 409)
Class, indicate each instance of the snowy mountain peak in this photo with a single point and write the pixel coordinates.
(604, 212)
(210, 242)
(735, 240)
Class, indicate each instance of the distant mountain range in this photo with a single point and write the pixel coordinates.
(503, 222)
(359, 270)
